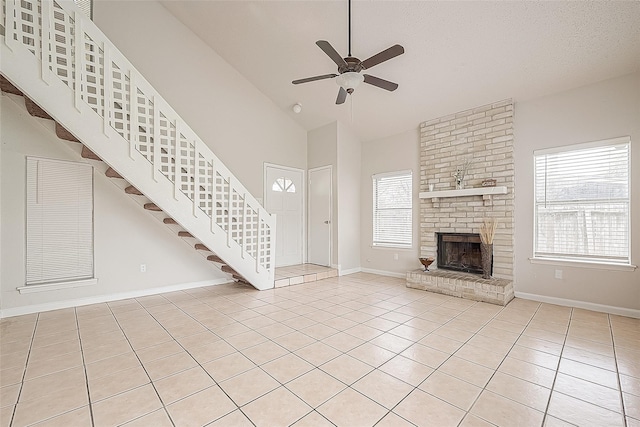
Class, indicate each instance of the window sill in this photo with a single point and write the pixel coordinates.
(56, 286)
(394, 247)
(584, 264)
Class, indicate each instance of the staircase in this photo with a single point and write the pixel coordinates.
(68, 71)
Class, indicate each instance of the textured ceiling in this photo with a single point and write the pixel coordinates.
(457, 54)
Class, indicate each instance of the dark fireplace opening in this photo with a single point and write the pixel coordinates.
(460, 252)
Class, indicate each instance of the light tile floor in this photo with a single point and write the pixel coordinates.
(360, 350)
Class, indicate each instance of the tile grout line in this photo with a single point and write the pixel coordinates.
(199, 364)
(24, 373)
(115, 317)
(84, 367)
(283, 302)
(450, 356)
(555, 374)
(615, 360)
(484, 388)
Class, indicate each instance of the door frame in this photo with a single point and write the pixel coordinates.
(330, 168)
(303, 222)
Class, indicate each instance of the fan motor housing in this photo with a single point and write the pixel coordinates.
(353, 64)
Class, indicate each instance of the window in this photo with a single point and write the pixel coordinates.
(392, 214)
(283, 184)
(582, 202)
(59, 221)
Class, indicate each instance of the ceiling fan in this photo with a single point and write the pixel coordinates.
(349, 69)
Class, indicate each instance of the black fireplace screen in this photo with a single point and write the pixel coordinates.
(459, 252)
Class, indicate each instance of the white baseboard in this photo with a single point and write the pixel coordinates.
(621, 311)
(349, 271)
(384, 273)
(57, 305)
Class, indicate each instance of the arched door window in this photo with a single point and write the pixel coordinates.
(283, 185)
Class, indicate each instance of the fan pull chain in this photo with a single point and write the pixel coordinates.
(349, 27)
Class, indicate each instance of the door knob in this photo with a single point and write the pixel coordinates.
(326, 222)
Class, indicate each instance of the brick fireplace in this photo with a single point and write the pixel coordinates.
(483, 138)
(459, 252)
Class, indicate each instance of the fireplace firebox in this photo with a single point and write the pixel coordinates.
(460, 252)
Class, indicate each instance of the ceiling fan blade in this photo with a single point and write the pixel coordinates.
(313, 79)
(385, 55)
(329, 50)
(381, 83)
(342, 96)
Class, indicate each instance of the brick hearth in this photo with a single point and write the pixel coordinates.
(463, 285)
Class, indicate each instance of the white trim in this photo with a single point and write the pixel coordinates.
(621, 311)
(349, 271)
(57, 305)
(319, 168)
(476, 191)
(385, 273)
(28, 289)
(575, 147)
(583, 145)
(584, 264)
(394, 173)
(303, 221)
(375, 181)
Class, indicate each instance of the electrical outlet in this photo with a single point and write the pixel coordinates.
(558, 274)
(395, 256)
(143, 268)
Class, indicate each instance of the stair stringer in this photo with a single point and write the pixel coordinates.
(25, 71)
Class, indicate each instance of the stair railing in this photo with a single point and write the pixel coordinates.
(70, 47)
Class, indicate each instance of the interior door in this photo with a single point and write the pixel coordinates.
(320, 209)
(284, 197)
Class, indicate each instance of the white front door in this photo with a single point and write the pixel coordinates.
(320, 191)
(284, 197)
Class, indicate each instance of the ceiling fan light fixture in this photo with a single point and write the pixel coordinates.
(349, 81)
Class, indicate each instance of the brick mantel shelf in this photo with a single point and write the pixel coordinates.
(479, 191)
(485, 192)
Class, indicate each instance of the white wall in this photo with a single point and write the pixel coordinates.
(349, 165)
(600, 111)
(239, 123)
(395, 153)
(125, 235)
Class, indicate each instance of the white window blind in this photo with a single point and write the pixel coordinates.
(582, 202)
(59, 221)
(392, 201)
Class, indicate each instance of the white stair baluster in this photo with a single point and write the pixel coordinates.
(243, 249)
(177, 169)
(133, 115)
(10, 23)
(213, 196)
(47, 17)
(196, 178)
(106, 89)
(229, 194)
(79, 59)
(156, 138)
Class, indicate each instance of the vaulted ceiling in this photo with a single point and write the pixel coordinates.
(457, 54)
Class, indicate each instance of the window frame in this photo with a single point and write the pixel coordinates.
(587, 262)
(397, 245)
(70, 281)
